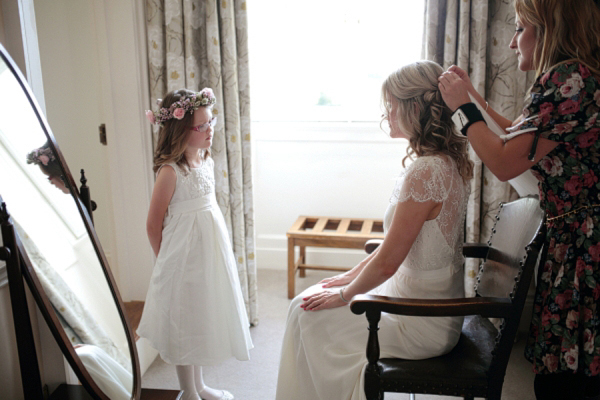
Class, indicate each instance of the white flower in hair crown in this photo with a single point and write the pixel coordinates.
(177, 110)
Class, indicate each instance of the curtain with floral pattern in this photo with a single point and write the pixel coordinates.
(204, 43)
(475, 35)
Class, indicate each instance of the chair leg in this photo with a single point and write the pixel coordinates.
(412, 396)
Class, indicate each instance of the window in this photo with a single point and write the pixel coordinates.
(325, 60)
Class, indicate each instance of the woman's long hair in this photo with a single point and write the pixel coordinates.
(566, 30)
(424, 116)
(173, 135)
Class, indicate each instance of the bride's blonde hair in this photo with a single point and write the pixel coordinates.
(423, 116)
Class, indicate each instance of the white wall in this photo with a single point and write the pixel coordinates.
(321, 169)
(90, 64)
(74, 108)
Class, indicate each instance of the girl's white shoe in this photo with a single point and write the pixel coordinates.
(225, 396)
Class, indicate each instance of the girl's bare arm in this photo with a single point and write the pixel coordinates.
(164, 187)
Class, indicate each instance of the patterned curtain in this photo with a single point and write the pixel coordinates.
(77, 321)
(475, 34)
(204, 43)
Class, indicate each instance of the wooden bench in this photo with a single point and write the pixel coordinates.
(346, 233)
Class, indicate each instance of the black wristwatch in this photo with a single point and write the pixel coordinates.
(465, 116)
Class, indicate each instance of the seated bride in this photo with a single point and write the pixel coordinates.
(323, 354)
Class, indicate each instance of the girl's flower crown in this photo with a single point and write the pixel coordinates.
(177, 110)
(42, 156)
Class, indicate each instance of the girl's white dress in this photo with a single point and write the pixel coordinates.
(194, 312)
(324, 352)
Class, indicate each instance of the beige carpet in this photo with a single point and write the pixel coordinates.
(256, 379)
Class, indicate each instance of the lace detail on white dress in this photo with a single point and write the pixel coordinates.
(425, 179)
(198, 182)
(439, 244)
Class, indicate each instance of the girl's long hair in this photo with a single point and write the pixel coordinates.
(424, 116)
(173, 135)
(566, 30)
(52, 167)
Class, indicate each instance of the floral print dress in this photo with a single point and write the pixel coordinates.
(565, 328)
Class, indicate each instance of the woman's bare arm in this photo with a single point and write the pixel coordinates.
(407, 222)
(506, 160)
(500, 120)
(348, 276)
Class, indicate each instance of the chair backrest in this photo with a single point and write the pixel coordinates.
(517, 225)
(515, 249)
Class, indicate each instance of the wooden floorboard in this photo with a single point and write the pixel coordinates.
(133, 310)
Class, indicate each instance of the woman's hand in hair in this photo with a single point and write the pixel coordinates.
(462, 74)
(455, 90)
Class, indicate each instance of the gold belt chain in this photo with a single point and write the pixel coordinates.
(571, 212)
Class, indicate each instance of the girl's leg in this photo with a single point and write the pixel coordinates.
(185, 374)
(207, 393)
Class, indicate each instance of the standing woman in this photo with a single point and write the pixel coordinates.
(560, 40)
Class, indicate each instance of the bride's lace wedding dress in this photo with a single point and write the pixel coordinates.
(324, 352)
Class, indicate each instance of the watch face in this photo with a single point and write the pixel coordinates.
(460, 119)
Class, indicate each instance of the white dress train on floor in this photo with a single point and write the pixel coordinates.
(324, 352)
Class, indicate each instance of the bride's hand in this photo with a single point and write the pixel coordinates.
(338, 280)
(323, 300)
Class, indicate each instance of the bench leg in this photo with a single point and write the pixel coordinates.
(291, 269)
(302, 261)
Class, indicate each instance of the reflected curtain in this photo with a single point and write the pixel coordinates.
(204, 43)
(475, 35)
(78, 323)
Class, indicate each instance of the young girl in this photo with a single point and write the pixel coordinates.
(194, 313)
(44, 158)
(323, 353)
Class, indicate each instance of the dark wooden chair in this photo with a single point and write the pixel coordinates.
(477, 365)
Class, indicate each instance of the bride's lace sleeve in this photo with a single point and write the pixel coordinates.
(427, 178)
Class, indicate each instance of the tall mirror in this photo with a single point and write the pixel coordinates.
(60, 246)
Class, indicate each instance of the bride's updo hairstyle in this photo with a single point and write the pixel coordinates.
(423, 116)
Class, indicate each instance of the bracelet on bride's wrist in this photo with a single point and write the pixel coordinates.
(342, 295)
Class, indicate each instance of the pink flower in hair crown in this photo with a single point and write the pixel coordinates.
(44, 159)
(178, 113)
(177, 110)
(42, 156)
(150, 116)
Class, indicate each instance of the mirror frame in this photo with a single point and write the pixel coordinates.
(33, 282)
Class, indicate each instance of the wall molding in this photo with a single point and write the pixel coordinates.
(271, 253)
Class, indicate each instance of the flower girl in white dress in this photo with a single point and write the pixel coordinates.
(324, 347)
(194, 313)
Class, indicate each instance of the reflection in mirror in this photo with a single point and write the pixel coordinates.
(46, 218)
